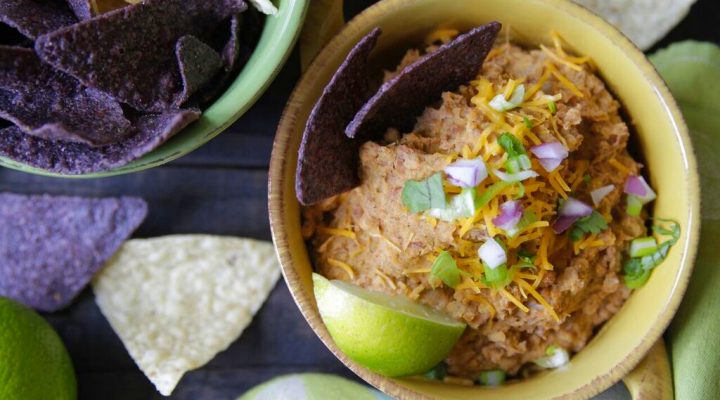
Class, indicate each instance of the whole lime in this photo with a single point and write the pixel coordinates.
(34, 364)
(392, 336)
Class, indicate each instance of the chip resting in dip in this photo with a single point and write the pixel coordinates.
(509, 201)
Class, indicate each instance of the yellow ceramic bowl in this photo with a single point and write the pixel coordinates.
(661, 133)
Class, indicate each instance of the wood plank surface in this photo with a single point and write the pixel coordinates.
(222, 189)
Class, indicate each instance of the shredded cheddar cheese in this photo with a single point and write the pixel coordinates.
(442, 35)
(540, 300)
(344, 266)
(337, 232)
(619, 166)
(390, 282)
(514, 300)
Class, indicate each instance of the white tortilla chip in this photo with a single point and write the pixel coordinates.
(265, 6)
(177, 301)
(643, 21)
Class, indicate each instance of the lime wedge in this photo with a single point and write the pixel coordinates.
(389, 335)
(311, 386)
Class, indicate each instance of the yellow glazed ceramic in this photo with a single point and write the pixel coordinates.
(659, 128)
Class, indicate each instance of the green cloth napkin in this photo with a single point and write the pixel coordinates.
(692, 71)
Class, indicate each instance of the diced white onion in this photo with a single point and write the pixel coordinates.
(492, 254)
(600, 193)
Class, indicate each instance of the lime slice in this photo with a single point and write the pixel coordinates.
(34, 364)
(312, 387)
(389, 335)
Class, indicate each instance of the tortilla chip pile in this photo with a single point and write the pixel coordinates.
(50, 247)
(90, 85)
(351, 111)
(177, 301)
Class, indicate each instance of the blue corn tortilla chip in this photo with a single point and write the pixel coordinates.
(227, 41)
(129, 53)
(400, 100)
(50, 247)
(328, 160)
(52, 105)
(33, 18)
(152, 130)
(198, 63)
(83, 9)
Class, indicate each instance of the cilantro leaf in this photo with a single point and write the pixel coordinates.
(527, 122)
(593, 223)
(526, 256)
(445, 268)
(423, 195)
(511, 144)
(637, 270)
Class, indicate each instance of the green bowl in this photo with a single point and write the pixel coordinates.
(276, 41)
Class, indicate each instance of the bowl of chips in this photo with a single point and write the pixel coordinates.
(338, 80)
(93, 88)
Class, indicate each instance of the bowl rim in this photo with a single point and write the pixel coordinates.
(280, 36)
(276, 194)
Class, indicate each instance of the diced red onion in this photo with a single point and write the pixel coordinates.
(550, 164)
(550, 150)
(510, 214)
(492, 254)
(516, 177)
(563, 223)
(466, 173)
(637, 186)
(570, 211)
(550, 155)
(600, 193)
(574, 208)
(634, 186)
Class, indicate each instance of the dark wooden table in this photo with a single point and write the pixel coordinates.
(222, 189)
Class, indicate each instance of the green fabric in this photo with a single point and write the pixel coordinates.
(692, 71)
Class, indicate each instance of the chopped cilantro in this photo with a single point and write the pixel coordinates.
(637, 270)
(511, 144)
(587, 178)
(593, 223)
(527, 122)
(490, 193)
(496, 278)
(552, 107)
(423, 195)
(445, 268)
(526, 256)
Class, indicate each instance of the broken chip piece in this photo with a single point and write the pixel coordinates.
(177, 301)
(265, 6)
(198, 63)
(51, 246)
(52, 105)
(130, 53)
(151, 130)
(401, 99)
(33, 18)
(328, 160)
